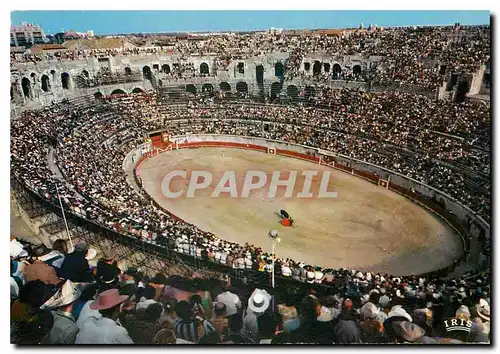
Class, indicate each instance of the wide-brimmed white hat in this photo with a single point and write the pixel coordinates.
(398, 311)
(68, 293)
(483, 309)
(259, 301)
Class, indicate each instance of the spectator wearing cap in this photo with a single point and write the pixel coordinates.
(104, 329)
(75, 266)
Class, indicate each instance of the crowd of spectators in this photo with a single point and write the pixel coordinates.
(69, 296)
(441, 144)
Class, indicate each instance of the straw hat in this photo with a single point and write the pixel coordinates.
(259, 301)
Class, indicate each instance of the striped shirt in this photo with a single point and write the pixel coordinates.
(193, 330)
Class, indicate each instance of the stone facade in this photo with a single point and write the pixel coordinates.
(43, 82)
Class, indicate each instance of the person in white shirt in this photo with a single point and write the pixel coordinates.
(285, 270)
(310, 275)
(223, 257)
(232, 302)
(104, 329)
(318, 275)
(217, 256)
(248, 263)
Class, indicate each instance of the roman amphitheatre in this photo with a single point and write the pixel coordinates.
(366, 227)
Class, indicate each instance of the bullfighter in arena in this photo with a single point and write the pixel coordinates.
(286, 219)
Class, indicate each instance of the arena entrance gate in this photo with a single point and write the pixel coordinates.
(159, 140)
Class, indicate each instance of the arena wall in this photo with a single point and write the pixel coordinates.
(466, 223)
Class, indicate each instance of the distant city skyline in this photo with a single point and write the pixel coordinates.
(124, 22)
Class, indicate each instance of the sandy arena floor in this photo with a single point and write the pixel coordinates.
(366, 227)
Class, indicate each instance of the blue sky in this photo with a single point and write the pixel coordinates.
(109, 22)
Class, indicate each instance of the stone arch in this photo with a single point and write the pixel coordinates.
(98, 95)
(65, 81)
(33, 77)
(259, 74)
(292, 91)
(45, 83)
(146, 72)
(307, 66)
(137, 90)
(207, 88)
(275, 90)
(279, 70)
(204, 69)
(191, 89)
(26, 86)
(242, 87)
(118, 92)
(53, 73)
(326, 67)
(165, 68)
(317, 68)
(128, 71)
(336, 71)
(85, 73)
(356, 69)
(224, 86)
